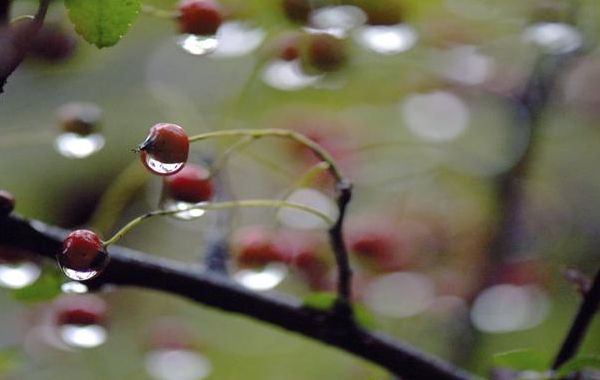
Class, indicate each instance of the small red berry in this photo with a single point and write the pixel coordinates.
(324, 52)
(297, 11)
(80, 310)
(165, 150)
(199, 17)
(192, 184)
(256, 247)
(53, 44)
(7, 203)
(83, 256)
(79, 117)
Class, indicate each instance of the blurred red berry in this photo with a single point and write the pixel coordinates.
(324, 52)
(82, 250)
(199, 17)
(53, 44)
(192, 184)
(256, 246)
(166, 143)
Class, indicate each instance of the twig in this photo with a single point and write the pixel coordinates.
(132, 268)
(4, 11)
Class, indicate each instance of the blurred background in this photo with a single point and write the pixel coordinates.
(416, 101)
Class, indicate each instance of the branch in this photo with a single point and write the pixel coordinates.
(131, 268)
(15, 41)
(4, 11)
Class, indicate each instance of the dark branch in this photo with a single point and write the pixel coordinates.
(336, 237)
(4, 11)
(131, 268)
(587, 310)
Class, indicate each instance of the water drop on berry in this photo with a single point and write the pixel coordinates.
(236, 39)
(18, 275)
(83, 256)
(73, 145)
(74, 287)
(177, 364)
(158, 167)
(80, 321)
(261, 279)
(83, 336)
(199, 45)
(386, 39)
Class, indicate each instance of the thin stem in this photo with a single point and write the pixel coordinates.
(587, 311)
(248, 203)
(226, 155)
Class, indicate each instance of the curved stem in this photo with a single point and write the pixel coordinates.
(248, 203)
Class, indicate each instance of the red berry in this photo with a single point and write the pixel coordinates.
(82, 251)
(80, 310)
(256, 247)
(200, 17)
(167, 144)
(79, 117)
(379, 246)
(7, 203)
(324, 52)
(304, 253)
(297, 11)
(53, 44)
(192, 184)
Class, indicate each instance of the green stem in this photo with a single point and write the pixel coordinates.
(249, 203)
(222, 159)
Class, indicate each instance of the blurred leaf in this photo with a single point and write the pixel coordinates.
(102, 22)
(325, 301)
(578, 364)
(45, 288)
(521, 360)
(9, 359)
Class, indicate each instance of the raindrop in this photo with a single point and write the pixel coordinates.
(74, 287)
(336, 20)
(161, 167)
(262, 279)
(80, 273)
(237, 39)
(288, 76)
(177, 364)
(186, 213)
(506, 308)
(386, 39)
(18, 275)
(73, 145)
(400, 294)
(554, 37)
(197, 44)
(83, 336)
(437, 116)
(302, 219)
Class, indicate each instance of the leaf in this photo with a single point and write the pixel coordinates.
(325, 301)
(521, 360)
(45, 288)
(578, 364)
(102, 22)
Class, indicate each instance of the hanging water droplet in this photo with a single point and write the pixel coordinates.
(83, 336)
(86, 270)
(73, 145)
(336, 20)
(236, 39)
(400, 294)
(74, 287)
(18, 275)
(386, 39)
(186, 213)
(177, 364)
(160, 167)
(261, 279)
(197, 44)
(303, 220)
(288, 76)
(554, 37)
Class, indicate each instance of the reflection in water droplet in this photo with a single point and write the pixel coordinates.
(18, 275)
(84, 336)
(437, 116)
(177, 365)
(74, 287)
(198, 45)
(72, 145)
(237, 39)
(464, 64)
(336, 20)
(386, 39)
(554, 37)
(79, 275)
(288, 76)
(161, 167)
(400, 294)
(262, 279)
(505, 308)
(183, 215)
(302, 219)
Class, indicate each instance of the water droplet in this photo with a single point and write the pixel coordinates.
(184, 215)
(336, 20)
(18, 275)
(83, 336)
(79, 273)
(386, 39)
(74, 287)
(464, 64)
(198, 45)
(174, 364)
(302, 219)
(438, 116)
(400, 294)
(73, 145)
(553, 37)
(261, 279)
(505, 308)
(237, 39)
(161, 167)
(288, 76)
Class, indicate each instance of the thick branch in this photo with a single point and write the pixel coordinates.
(131, 268)
(336, 236)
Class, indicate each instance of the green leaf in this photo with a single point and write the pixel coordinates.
(325, 301)
(45, 288)
(521, 360)
(578, 364)
(102, 22)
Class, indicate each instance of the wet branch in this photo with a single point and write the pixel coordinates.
(132, 268)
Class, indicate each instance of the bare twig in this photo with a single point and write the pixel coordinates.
(131, 268)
